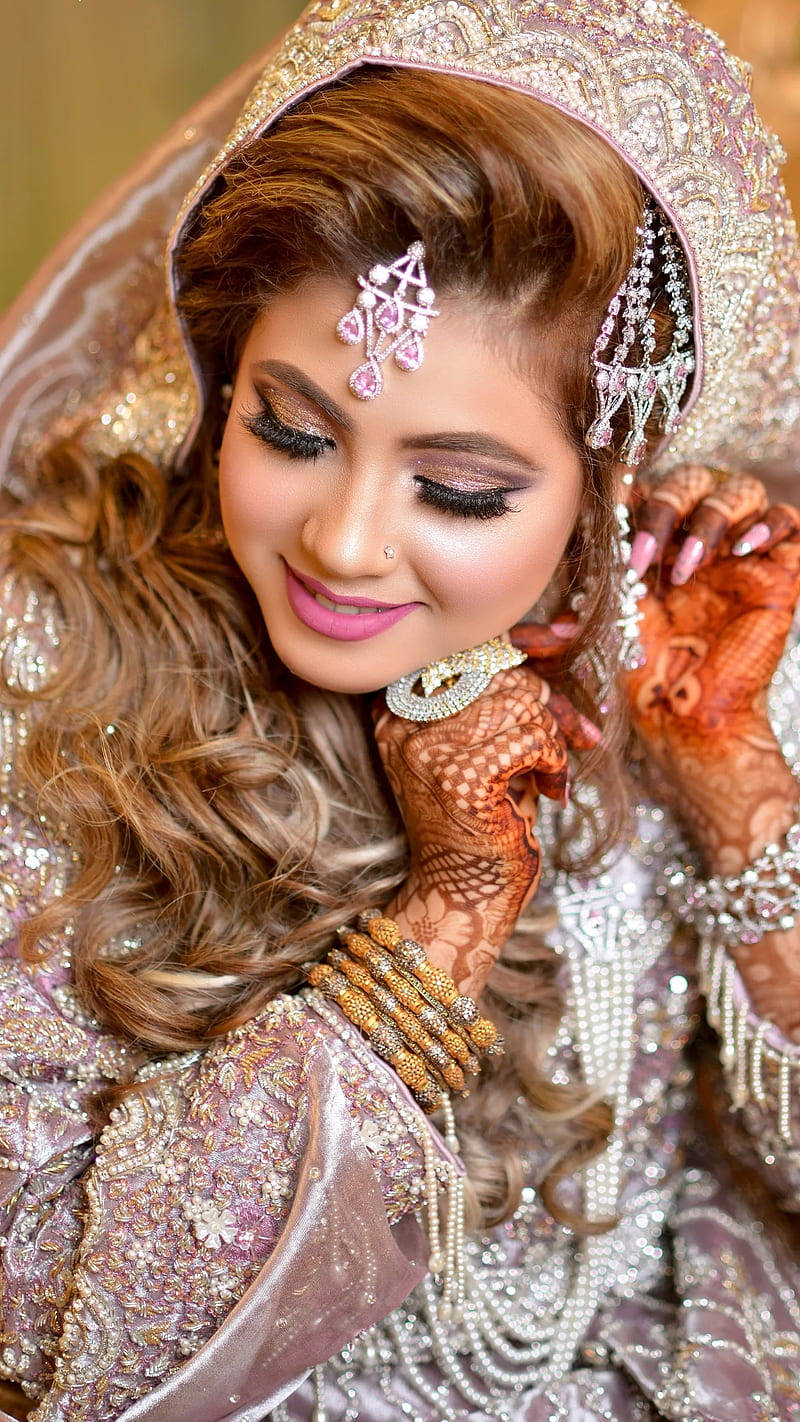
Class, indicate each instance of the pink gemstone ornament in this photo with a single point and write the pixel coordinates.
(391, 315)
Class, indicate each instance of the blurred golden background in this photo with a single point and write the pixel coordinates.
(88, 84)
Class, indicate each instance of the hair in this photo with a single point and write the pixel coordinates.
(237, 815)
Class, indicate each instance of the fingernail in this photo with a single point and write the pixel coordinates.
(564, 629)
(643, 551)
(755, 537)
(690, 556)
(567, 796)
(590, 730)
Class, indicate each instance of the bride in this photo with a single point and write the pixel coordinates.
(399, 744)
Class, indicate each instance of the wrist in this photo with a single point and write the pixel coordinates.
(734, 807)
(463, 938)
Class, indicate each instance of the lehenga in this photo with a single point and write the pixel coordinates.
(244, 1240)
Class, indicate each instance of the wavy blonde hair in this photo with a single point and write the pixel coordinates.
(237, 815)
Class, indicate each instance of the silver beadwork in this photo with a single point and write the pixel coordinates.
(630, 313)
(389, 320)
(741, 909)
(471, 672)
(631, 591)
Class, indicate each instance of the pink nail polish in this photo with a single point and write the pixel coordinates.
(590, 730)
(690, 556)
(755, 537)
(565, 630)
(643, 550)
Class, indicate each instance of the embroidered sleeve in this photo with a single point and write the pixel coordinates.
(53, 1056)
(283, 1139)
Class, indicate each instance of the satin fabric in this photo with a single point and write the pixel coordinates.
(73, 324)
(309, 1299)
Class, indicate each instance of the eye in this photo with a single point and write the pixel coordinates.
(484, 503)
(297, 444)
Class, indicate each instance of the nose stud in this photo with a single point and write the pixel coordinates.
(388, 551)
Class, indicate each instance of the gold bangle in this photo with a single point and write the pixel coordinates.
(384, 1038)
(410, 1026)
(461, 1010)
(424, 1007)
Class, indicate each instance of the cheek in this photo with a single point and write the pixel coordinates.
(503, 563)
(254, 500)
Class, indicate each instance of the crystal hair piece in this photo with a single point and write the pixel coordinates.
(630, 313)
(391, 315)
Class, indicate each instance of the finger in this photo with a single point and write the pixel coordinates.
(667, 507)
(577, 730)
(739, 498)
(778, 523)
(526, 742)
(545, 641)
(553, 784)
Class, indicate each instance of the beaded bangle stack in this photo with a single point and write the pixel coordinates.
(412, 1012)
(741, 909)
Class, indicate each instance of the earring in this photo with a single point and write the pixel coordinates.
(464, 675)
(631, 592)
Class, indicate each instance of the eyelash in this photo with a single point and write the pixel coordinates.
(486, 503)
(297, 444)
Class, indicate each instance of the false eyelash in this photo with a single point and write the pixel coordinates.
(297, 444)
(486, 503)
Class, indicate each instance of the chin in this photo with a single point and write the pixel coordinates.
(331, 672)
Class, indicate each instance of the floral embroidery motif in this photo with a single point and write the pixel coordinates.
(213, 1226)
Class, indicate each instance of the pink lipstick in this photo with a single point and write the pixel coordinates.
(343, 626)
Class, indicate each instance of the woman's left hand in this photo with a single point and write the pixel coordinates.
(715, 620)
(716, 617)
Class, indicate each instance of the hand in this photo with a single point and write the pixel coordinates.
(716, 619)
(475, 857)
(713, 638)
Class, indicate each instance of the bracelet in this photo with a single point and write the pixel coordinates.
(430, 1014)
(462, 1011)
(741, 909)
(411, 1011)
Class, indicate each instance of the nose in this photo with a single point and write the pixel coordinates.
(348, 531)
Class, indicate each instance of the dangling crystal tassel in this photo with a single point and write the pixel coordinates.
(617, 380)
(632, 590)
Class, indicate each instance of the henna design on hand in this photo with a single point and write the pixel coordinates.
(707, 503)
(475, 856)
(699, 705)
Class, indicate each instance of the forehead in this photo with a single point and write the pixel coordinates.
(470, 375)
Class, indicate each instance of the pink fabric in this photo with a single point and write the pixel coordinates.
(310, 1298)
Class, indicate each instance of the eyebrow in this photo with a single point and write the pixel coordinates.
(474, 442)
(297, 381)
(456, 441)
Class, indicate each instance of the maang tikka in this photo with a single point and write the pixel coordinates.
(391, 315)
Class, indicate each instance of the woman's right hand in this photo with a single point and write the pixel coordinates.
(475, 856)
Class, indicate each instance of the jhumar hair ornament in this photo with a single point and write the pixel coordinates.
(630, 314)
(391, 315)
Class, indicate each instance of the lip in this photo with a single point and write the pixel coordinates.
(342, 626)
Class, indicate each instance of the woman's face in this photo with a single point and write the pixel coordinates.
(462, 468)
